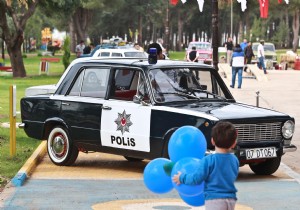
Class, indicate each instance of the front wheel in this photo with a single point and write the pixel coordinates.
(267, 167)
(61, 150)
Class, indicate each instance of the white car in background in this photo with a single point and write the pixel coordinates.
(122, 53)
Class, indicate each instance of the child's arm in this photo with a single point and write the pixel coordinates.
(176, 179)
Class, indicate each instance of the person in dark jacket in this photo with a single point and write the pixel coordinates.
(193, 57)
(248, 55)
(237, 63)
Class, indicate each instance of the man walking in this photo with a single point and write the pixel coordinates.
(261, 56)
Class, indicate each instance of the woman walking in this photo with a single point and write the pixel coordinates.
(237, 63)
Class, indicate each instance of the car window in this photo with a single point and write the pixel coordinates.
(104, 54)
(116, 54)
(180, 84)
(135, 54)
(91, 82)
(125, 84)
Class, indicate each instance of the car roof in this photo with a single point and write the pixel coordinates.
(137, 62)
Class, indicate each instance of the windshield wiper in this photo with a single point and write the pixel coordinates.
(208, 93)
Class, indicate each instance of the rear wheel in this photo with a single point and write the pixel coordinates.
(61, 150)
(267, 167)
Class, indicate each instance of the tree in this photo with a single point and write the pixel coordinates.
(13, 18)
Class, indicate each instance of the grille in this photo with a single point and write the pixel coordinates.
(259, 132)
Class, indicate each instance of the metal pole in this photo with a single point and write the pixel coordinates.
(12, 119)
(231, 20)
(215, 33)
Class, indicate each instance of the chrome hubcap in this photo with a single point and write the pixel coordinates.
(58, 145)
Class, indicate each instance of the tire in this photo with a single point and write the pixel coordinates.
(131, 159)
(267, 167)
(61, 150)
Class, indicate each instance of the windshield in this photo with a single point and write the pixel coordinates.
(181, 84)
(200, 46)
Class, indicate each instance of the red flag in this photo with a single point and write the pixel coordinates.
(279, 1)
(174, 2)
(263, 4)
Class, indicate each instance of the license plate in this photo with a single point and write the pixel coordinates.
(258, 153)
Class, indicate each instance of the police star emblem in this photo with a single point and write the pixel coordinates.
(123, 122)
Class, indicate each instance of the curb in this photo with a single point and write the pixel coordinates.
(30, 165)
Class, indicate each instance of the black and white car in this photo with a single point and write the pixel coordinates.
(131, 108)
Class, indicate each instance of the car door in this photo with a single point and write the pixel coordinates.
(82, 105)
(125, 124)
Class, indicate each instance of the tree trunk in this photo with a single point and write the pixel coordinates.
(287, 24)
(72, 36)
(15, 54)
(180, 31)
(296, 29)
(81, 20)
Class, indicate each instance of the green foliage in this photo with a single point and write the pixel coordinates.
(24, 55)
(257, 32)
(280, 34)
(67, 53)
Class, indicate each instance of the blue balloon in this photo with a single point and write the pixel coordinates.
(155, 178)
(187, 141)
(187, 166)
(197, 200)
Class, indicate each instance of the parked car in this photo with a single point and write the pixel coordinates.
(270, 54)
(130, 53)
(100, 46)
(131, 108)
(204, 50)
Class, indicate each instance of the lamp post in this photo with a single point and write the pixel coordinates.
(215, 32)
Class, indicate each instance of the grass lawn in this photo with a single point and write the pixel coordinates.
(25, 146)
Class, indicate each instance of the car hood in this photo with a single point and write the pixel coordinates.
(231, 111)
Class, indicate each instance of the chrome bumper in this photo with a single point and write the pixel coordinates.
(289, 148)
(21, 125)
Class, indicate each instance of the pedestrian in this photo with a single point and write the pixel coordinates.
(244, 44)
(79, 49)
(88, 49)
(229, 48)
(261, 56)
(218, 171)
(248, 55)
(193, 57)
(138, 47)
(237, 64)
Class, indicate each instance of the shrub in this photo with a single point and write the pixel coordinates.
(67, 52)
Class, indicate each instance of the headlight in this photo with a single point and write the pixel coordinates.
(288, 129)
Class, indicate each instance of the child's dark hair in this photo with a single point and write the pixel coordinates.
(224, 134)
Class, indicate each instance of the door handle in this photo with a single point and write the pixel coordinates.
(106, 107)
(64, 103)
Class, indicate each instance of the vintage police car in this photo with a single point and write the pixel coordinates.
(131, 108)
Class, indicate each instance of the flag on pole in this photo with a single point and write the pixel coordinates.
(263, 4)
(243, 4)
(200, 3)
(174, 2)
